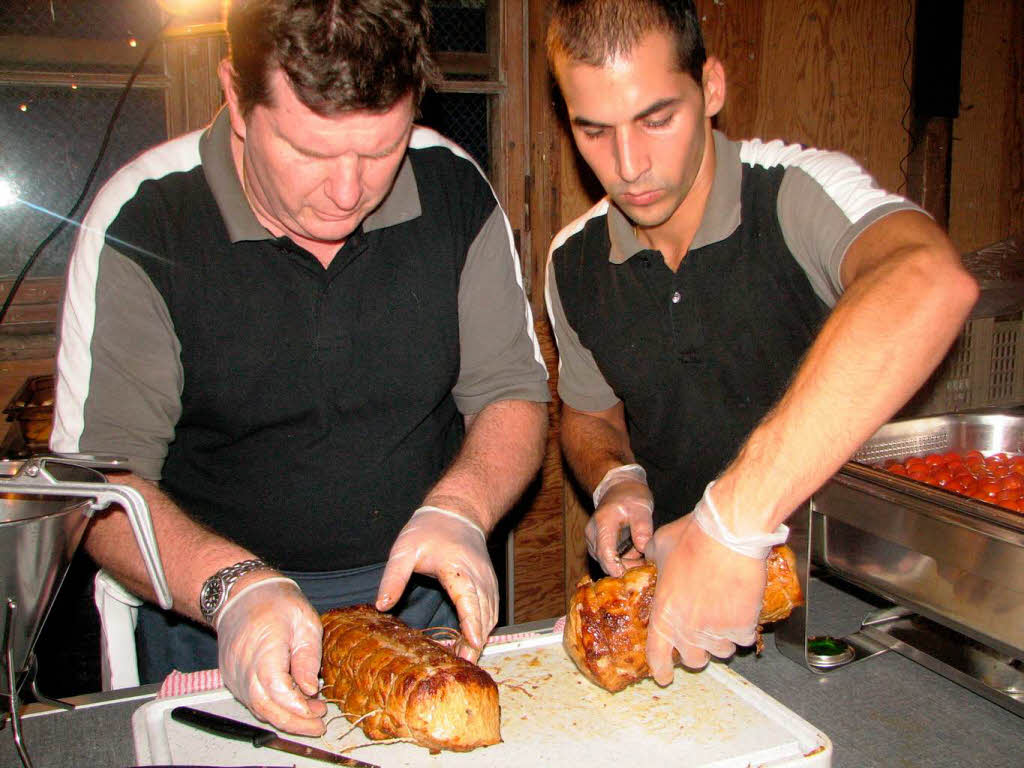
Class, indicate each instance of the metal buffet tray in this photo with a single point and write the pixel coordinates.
(953, 566)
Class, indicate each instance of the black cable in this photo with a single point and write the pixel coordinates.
(89, 179)
(911, 139)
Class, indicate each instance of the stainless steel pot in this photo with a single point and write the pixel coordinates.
(45, 505)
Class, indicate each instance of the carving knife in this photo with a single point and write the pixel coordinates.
(258, 737)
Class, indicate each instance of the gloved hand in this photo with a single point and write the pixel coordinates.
(453, 549)
(709, 591)
(622, 501)
(269, 644)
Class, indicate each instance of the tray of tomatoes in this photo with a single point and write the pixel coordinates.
(977, 455)
(997, 478)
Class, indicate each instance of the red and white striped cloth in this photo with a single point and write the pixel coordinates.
(180, 683)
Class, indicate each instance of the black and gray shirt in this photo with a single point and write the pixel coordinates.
(301, 411)
(698, 356)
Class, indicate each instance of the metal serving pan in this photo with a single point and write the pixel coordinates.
(955, 560)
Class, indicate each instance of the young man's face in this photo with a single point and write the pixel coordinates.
(640, 124)
(316, 178)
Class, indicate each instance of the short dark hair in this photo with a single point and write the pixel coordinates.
(338, 55)
(596, 31)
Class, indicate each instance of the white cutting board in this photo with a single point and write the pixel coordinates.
(550, 715)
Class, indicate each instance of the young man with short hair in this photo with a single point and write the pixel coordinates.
(733, 319)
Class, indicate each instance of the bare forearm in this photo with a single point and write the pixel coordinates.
(502, 452)
(190, 553)
(879, 345)
(594, 443)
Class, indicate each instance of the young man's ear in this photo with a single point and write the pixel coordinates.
(714, 86)
(227, 83)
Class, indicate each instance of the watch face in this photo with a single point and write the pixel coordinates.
(213, 594)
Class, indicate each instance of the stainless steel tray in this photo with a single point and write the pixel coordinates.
(955, 561)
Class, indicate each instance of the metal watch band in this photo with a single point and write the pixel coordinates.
(216, 589)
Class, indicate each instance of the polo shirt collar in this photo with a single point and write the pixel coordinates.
(401, 204)
(721, 215)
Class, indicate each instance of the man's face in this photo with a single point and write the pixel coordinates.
(315, 178)
(640, 124)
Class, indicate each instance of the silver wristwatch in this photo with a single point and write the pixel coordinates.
(216, 589)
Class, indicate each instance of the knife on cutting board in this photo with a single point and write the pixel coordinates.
(258, 737)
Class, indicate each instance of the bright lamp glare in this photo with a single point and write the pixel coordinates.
(186, 7)
(8, 193)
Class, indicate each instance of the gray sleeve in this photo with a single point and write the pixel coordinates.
(580, 382)
(119, 374)
(500, 354)
(825, 201)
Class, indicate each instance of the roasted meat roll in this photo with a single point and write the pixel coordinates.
(399, 684)
(606, 625)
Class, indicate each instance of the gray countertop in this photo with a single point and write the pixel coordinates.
(883, 712)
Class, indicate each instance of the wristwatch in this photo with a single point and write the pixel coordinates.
(216, 589)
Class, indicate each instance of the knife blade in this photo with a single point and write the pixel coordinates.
(258, 737)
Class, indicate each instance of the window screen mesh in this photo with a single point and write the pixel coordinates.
(459, 25)
(462, 117)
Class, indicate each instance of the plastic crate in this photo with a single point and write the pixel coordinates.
(984, 368)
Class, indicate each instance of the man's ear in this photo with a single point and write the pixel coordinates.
(714, 86)
(227, 83)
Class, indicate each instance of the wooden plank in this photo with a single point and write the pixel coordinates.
(831, 76)
(452, 63)
(929, 166)
(732, 33)
(34, 290)
(30, 49)
(539, 538)
(80, 79)
(988, 173)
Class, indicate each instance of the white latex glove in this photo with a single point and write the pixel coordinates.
(622, 503)
(269, 645)
(453, 549)
(709, 590)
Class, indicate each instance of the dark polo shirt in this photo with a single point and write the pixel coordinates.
(698, 356)
(301, 411)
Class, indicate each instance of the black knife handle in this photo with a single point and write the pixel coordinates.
(223, 726)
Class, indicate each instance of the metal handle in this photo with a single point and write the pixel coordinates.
(33, 479)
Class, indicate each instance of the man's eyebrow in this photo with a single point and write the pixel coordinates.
(657, 106)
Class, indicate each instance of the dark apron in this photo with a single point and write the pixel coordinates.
(166, 641)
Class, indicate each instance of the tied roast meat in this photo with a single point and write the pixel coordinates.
(606, 625)
(399, 684)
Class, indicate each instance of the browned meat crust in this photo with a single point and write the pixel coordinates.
(411, 687)
(606, 625)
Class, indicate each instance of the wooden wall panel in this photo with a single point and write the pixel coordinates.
(733, 35)
(987, 188)
(831, 76)
(538, 559)
(195, 94)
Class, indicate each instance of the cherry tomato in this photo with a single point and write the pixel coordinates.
(1011, 482)
(952, 456)
(976, 455)
(989, 488)
(918, 471)
(898, 469)
(996, 458)
(943, 478)
(913, 461)
(934, 460)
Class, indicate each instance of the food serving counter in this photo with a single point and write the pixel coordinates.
(884, 712)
